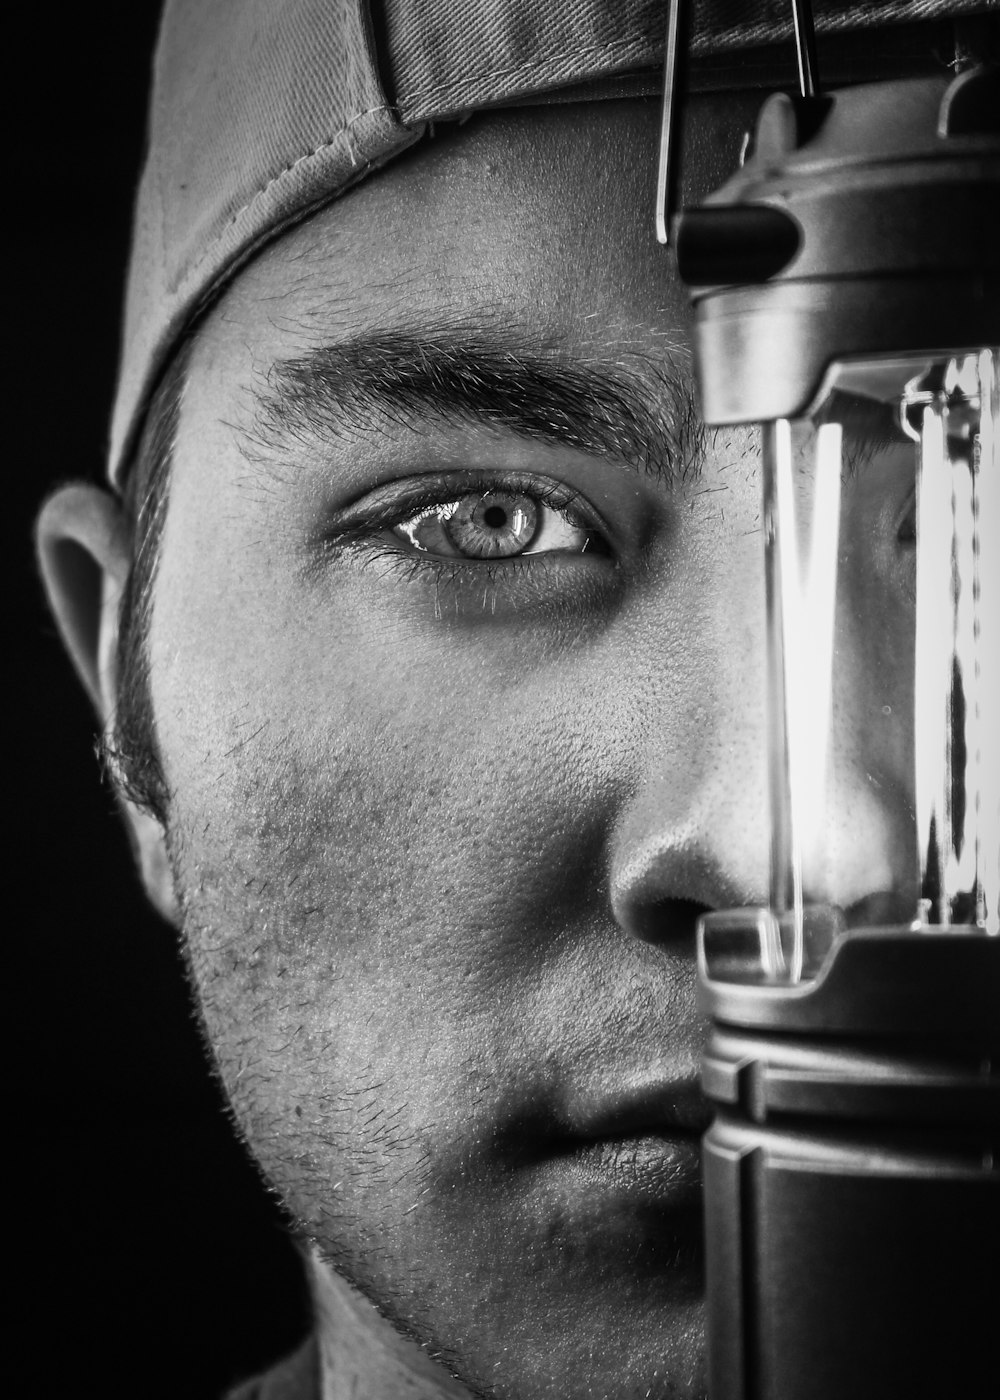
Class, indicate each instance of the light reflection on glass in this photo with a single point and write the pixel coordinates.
(884, 655)
(808, 591)
(957, 640)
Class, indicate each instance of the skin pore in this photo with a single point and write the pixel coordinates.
(440, 826)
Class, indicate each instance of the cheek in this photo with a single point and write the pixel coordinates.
(374, 898)
(359, 817)
(408, 794)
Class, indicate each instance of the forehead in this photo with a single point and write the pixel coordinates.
(541, 217)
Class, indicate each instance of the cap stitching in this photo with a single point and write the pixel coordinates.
(632, 41)
(258, 194)
(131, 402)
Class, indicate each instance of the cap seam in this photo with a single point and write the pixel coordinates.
(258, 194)
(180, 292)
(723, 39)
(633, 41)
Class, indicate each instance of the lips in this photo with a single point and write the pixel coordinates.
(664, 1169)
(640, 1143)
(609, 1174)
(669, 1108)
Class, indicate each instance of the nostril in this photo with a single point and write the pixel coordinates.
(672, 921)
(686, 844)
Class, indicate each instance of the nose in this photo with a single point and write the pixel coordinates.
(693, 833)
(699, 839)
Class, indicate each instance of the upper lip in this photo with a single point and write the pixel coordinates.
(664, 1108)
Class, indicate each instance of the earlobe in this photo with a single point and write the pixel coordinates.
(150, 850)
(84, 555)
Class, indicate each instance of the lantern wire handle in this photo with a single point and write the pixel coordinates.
(668, 173)
(805, 48)
(674, 84)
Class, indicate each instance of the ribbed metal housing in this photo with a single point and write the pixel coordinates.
(864, 223)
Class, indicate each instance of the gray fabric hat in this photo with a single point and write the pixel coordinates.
(263, 110)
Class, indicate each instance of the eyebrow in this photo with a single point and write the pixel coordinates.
(639, 410)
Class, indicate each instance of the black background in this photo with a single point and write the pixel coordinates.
(146, 1257)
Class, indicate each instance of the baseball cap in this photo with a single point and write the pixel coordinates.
(264, 110)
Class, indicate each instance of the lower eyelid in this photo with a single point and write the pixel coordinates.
(517, 573)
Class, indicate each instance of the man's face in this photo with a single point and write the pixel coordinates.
(444, 812)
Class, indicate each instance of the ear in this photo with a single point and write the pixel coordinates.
(84, 553)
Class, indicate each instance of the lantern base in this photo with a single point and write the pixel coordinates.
(852, 1190)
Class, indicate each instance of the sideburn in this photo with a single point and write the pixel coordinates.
(130, 749)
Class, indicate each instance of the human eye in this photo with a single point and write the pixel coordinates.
(473, 524)
(496, 522)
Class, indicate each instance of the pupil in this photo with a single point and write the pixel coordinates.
(495, 517)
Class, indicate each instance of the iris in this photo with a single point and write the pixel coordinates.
(492, 524)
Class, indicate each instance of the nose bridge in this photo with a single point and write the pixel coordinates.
(694, 827)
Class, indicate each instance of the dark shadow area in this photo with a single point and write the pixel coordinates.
(148, 1257)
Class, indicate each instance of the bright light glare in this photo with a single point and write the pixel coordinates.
(808, 587)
